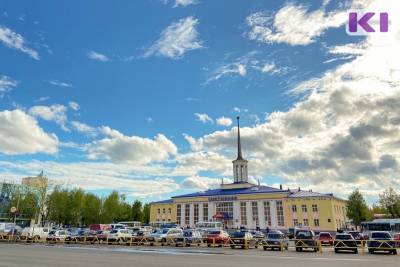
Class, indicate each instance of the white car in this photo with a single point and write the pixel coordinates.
(57, 235)
(119, 235)
(165, 235)
(35, 233)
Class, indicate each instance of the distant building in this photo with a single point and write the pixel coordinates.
(39, 181)
(243, 204)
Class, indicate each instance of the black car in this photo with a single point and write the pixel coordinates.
(77, 236)
(345, 242)
(244, 240)
(189, 237)
(381, 241)
(306, 239)
(276, 240)
(359, 237)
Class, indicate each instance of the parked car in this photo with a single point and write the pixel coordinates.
(276, 240)
(165, 236)
(381, 241)
(35, 233)
(57, 235)
(216, 237)
(76, 236)
(346, 242)
(243, 239)
(292, 232)
(359, 237)
(92, 236)
(396, 238)
(306, 239)
(325, 238)
(141, 237)
(260, 236)
(102, 235)
(189, 237)
(119, 235)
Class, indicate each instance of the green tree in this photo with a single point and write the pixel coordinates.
(146, 213)
(91, 209)
(110, 211)
(57, 206)
(357, 209)
(75, 206)
(137, 211)
(389, 200)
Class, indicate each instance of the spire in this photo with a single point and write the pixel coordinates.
(239, 153)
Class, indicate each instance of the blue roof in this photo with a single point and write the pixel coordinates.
(162, 201)
(220, 192)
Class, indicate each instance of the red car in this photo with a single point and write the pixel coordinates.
(396, 238)
(325, 238)
(219, 237)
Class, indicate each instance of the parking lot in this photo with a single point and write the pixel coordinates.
(82, 255)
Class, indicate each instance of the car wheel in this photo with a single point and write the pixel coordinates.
(371, 251)
(336, 250)
(232, 247)
(265, 248)
(356, 251)
(208, 245)
(279, 249)
(315, 249)
(395, 252)
(287, 247)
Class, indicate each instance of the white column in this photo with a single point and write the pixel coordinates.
(182, 214)
(261, 217)
(211, 210)
(274, 217)
(250, 223)
(236, 214)
(200, 212)
(191, 215)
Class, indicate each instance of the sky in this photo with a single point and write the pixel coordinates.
(142, 96)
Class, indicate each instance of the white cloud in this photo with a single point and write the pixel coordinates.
(224, 121)
(182, 3)
(56, 113)
(200, 183)
(60, 84)
(21, 134)
(204, 118)
(137, 150)
(293, 24)
(6, 84)
(15, 41)
(177, 39)
(73, 105)
(97, 56)
(84, 128)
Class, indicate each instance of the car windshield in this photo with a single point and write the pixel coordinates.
(344, 237)
(325, 235)
(99, 232)
(52, 232)
(274, 236)
(215, 232)
(303, 234)
(380, 235)
(113, 231)
(239, 234)
(188, 233)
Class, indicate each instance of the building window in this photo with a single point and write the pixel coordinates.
(254, 212)
(267, 212)
(187, 214)
(304, 208)
(305, 222)
(158, 211)
(316, 222)
(225, 208)
(163, 210)
(314, 208)
(294, 208)
(196, 213)
(205, 212)
(295, 222)
(279, 213)
(329, 220)
(178, 214)
(169, 210)
(243, 213)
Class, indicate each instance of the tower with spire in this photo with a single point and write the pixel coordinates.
(239, 164)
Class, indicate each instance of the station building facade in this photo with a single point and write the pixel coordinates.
(244, 204)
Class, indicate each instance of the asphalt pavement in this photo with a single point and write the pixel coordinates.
(22, 255)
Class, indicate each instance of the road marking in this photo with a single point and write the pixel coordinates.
(304, 258)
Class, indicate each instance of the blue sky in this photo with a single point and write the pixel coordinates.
(140, 96)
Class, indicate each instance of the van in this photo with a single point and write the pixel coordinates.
(35, 233)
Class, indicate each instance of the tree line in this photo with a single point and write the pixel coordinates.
(75, 207)
(388, 205)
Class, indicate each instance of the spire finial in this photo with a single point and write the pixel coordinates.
(239, 153)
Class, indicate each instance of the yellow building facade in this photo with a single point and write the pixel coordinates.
(245, 205)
